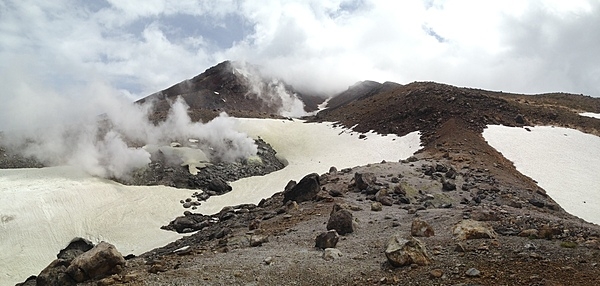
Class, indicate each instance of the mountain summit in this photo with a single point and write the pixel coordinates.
(236, 88)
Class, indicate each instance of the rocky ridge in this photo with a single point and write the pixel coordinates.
(212, 179)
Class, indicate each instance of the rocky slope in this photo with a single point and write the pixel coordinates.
(487, 231)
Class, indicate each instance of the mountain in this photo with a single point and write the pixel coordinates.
(358, 91)
(457, 212)
(236, 88)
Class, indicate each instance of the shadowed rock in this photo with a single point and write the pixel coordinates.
(340, 220)
(100, 261)
(327, 239)
(364, 180)
(305, 190)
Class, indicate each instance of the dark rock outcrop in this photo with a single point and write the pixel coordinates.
(80, 261)
(305, 190)
(76, 247)
(99, 262)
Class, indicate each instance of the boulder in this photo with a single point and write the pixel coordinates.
(180, 224)
(406, 251)
(340, 220)
(305, 190)
(98, 262)
(55, 274)
(327, 239)
(472, 229)
(376, 206)
(421, 228)
(364, 180)
(219, 186)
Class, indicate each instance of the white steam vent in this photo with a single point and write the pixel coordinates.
(107, 147)
(273, 92)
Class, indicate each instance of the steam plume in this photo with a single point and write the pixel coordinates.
(103, 133)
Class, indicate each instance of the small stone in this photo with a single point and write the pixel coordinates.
(331, 254)
(448, 186)
(254, 224)
(386, 201)
(258, 240)
(159, 267)
(376, 206)
(537, 203)
(335, 193)
(268, 260)
(472, 272)
(187, 205)
(421, 228)
(459, 247)
(436, 273)
(532, 232)
(333, 170)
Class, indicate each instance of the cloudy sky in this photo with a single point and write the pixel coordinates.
(141, 46)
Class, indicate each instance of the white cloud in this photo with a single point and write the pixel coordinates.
(139, 47)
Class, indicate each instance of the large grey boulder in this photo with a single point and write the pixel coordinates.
(99, 262)
(305, 190)
(406, 251)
